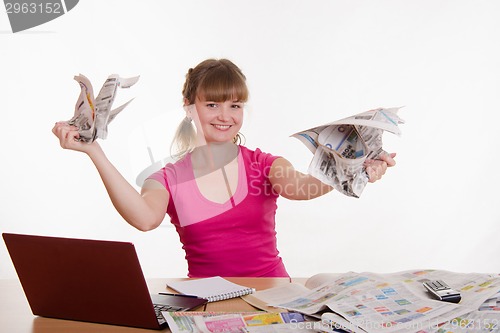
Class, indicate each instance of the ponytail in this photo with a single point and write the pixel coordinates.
(184, 139)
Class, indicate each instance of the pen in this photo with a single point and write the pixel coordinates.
(180, 295)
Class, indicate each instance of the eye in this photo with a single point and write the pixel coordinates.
(211, 105)
(237, 106)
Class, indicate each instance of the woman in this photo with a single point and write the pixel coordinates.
(220, 195)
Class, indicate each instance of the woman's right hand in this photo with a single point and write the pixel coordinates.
(69, 137)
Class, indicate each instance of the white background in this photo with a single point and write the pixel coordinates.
(307, 63)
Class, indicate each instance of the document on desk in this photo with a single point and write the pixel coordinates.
(378, 303)
(473, 322)
(252, 322)
(476, 289)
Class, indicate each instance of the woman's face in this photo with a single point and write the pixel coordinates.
(218, 121)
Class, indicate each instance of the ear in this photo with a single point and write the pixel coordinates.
(186, 102)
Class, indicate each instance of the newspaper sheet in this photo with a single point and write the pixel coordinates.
(259, 322)
(340, 148)
(491, 304)
(92, 115)
(374, 305)
(368, 302)
(478, 290)
(472, 322)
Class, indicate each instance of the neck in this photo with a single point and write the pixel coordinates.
(213, 156)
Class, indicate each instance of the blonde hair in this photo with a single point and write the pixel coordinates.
(215, 80)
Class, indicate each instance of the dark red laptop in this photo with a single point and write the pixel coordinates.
(89, 280)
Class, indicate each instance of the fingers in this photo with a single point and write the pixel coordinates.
(62, 125)
(389, 159)
(377, 168)
(67, 134)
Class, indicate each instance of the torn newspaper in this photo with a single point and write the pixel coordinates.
(92, 115)
(340, 148)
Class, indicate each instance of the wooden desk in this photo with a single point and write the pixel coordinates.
(16, 315)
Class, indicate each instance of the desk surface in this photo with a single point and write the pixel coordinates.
(16, 315)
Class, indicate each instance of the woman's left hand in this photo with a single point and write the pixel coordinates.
(377, 168)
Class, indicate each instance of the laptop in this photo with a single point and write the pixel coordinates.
(89, 280)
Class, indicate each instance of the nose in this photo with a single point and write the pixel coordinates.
(224, 113)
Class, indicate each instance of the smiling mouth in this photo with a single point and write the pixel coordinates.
(221, 127)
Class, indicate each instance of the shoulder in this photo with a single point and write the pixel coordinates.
(257, 159)
(258, 155)
(171, 171)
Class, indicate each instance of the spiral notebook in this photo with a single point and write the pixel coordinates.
(213, 288)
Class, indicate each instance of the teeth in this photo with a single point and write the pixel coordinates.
(222, 127)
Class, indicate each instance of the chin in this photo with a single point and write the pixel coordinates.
(221, 137)
(220, 140)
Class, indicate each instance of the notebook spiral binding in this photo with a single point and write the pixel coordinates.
(229, 295)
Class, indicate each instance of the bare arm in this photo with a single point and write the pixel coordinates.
(144, 211)
(295, 185)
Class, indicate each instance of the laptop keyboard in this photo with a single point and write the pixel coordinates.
(165, 307)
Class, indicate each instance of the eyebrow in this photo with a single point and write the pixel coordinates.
(213, 101)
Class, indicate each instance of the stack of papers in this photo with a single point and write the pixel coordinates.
(391, 303)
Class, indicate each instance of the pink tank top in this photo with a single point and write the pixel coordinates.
(235, 238)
